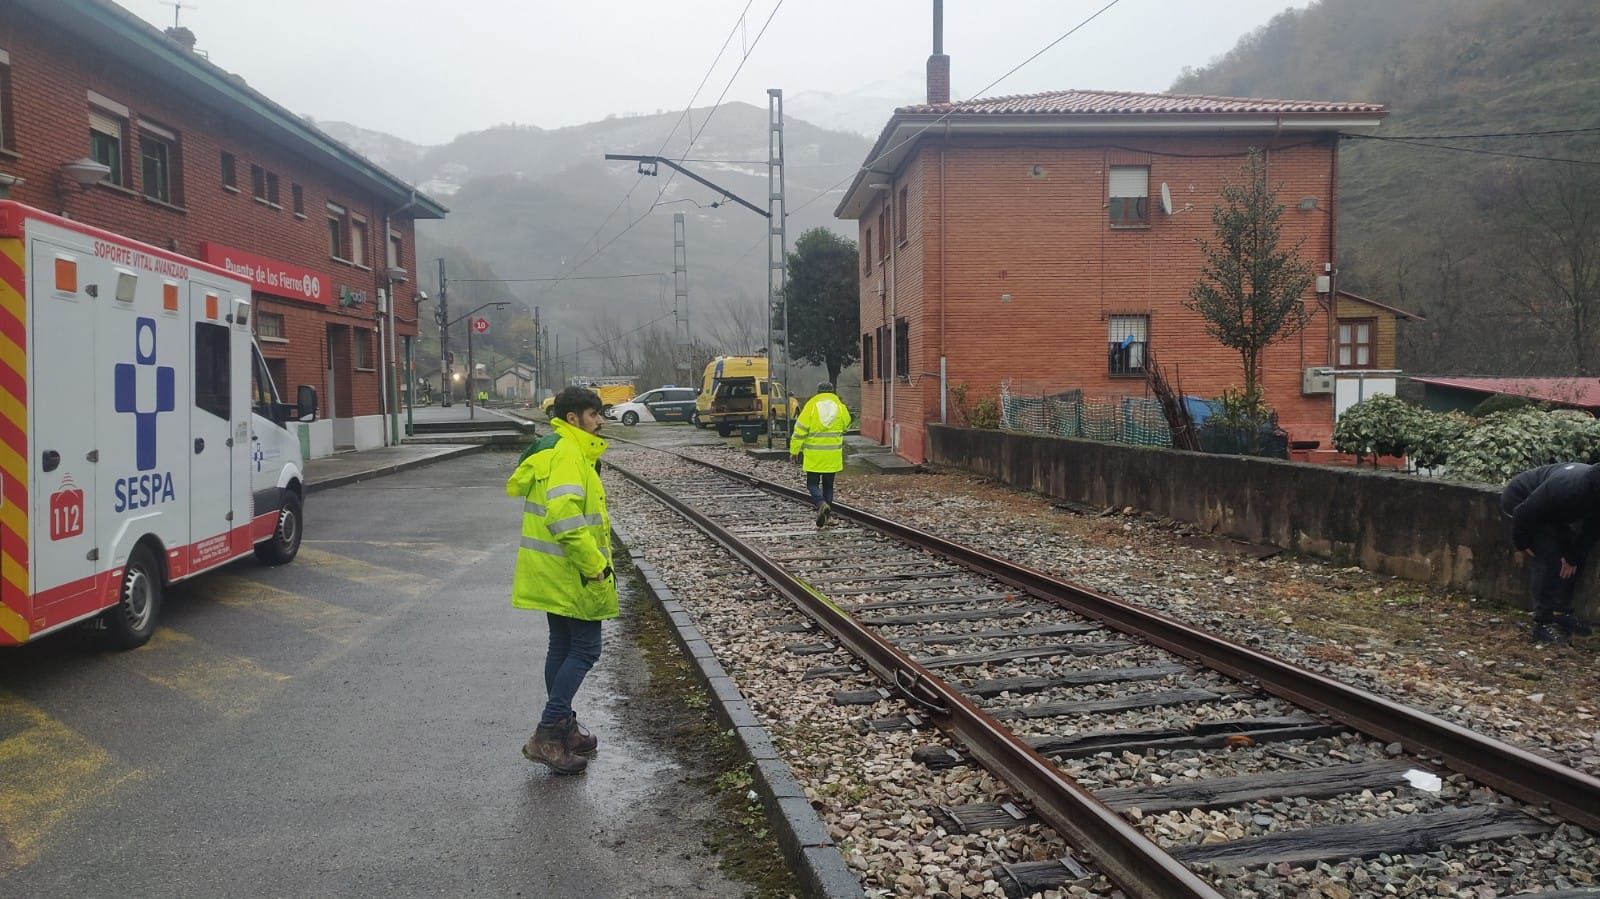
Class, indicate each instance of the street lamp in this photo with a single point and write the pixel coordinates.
(471, 373)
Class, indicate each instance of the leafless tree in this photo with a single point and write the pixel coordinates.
(1549, 237)
(738, 327)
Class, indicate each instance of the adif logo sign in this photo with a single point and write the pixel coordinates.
(144, 389)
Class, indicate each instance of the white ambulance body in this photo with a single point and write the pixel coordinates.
(141, 439)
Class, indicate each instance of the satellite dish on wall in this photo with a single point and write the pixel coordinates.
(1166, 199)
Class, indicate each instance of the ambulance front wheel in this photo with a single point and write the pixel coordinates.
(285, 542)
(132, 620)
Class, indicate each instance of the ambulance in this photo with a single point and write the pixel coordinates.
(142, 441)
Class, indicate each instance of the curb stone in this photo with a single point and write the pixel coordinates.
(802, 835)
(392, 468)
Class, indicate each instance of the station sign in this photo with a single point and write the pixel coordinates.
(271, 276)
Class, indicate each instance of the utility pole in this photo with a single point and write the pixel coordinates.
(777, 254)
(680, 299)
(538, 355)
(443, 315)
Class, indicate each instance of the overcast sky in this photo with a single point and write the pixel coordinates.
(428, 70)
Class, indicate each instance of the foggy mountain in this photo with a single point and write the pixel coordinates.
(1450, 234)
(524, 202)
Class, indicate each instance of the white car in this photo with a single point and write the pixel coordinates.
(661, 404)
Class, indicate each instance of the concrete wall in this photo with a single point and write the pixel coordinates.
(1420, 529)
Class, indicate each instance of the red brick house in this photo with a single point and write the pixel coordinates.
(1026, 238)
(203, 165)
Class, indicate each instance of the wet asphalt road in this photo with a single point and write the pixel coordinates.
(346, 725)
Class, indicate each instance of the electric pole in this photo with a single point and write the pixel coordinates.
(443, 315)
(680, 299)
(538, 354)
(777, 255)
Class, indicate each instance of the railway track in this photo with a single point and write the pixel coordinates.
(1039, 681)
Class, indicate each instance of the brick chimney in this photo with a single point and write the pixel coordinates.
(938, 63)
(182, 36)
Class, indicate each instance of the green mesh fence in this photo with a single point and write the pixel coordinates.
(1111, 419)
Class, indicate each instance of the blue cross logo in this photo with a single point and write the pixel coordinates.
(259, 455)
(127, 391)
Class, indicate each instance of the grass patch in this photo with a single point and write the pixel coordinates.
(747, 850)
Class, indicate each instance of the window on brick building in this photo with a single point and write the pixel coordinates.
(1130, 195)
(258, 183)
(883, 232)
(900, 215)
(363, 350)
(902, 348)
(884, 345)
(1127, 340)
(338, 241)
(1355, 342)
(866, 253)
(230, 172)
(397, 250)
(159, 162)
(108, 131)
(272, 189)
(866, 357)
(6, 142)
(358, 240)
(269, 326)
(298, 197)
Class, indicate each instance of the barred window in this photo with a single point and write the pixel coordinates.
(1127, 339)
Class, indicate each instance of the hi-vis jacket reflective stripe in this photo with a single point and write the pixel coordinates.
(819, 433)
(566, 533)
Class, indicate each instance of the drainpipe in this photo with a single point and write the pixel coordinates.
(391, 381)
(944, 378)
(894, 323)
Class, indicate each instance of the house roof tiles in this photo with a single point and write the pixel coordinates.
(1076, 102)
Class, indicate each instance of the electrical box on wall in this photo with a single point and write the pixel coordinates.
(1316, 381)
(1324, 283)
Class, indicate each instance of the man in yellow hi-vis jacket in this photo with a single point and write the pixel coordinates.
(564, 567)
(818, 439)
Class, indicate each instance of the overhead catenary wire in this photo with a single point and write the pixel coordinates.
(557, 278)
(668, 139)
(705, 121)
(1474, 150)
(1494, 134)
(834, 188)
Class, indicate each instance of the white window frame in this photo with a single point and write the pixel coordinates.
(1127, 190)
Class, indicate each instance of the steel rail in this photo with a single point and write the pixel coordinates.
(1517, 772)
(1132, 861)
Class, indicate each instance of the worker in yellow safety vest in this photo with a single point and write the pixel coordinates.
(818, 440)
(564, 567)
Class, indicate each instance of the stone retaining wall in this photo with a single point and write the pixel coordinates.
(1417, 528)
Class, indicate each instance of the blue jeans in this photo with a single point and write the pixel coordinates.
(574, 648)
(820, 486)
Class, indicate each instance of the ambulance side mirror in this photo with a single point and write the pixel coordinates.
(306, 403)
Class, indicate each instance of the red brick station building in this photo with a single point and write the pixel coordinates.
(201, 164)
(1025, 238)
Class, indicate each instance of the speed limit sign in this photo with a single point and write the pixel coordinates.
(480, 325)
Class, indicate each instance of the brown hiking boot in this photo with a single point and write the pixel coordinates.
(577, 738)
(546, 746)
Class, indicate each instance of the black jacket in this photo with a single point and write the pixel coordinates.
(1555, 496)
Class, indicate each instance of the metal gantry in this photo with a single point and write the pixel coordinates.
(680, 301)
(777, 255)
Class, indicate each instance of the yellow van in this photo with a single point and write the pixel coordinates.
(734, 367)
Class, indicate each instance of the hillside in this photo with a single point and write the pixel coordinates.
(1440, 232)
(524, 202)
